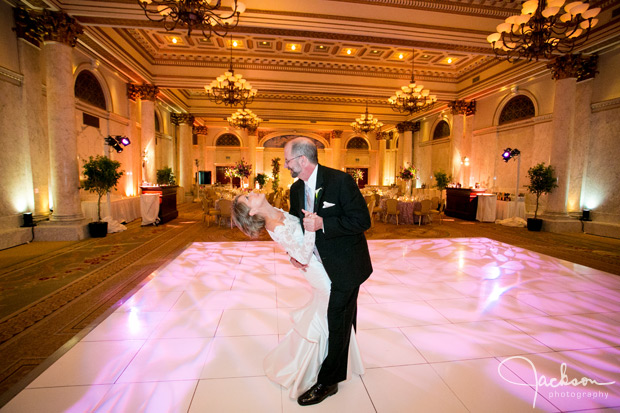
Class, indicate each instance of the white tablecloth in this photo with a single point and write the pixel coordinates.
(486, 208)
(149, 207)
(506, 209)
(122, 209)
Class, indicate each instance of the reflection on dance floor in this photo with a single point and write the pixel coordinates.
(444, 325)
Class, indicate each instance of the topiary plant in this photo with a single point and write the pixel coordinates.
(102, 175)
(165, 176)
(541, 182)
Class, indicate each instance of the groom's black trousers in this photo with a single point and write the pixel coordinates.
(341, 317)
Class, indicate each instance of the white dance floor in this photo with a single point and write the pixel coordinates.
(444, 325)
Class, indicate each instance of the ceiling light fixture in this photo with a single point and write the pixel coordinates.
(545, 28)
(366, 122)
(412, 97)
(195, 14)
(231, 89)
(244, 119)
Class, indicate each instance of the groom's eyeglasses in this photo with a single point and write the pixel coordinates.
(287, 161)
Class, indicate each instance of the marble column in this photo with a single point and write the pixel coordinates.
(57, 49)
(252, 146)
(458, 142)
(382, 143)
(33, 123)
(565, 70)
(146, 95)
(336, 146)
(185, 122)
(406, 130)
(561, 142)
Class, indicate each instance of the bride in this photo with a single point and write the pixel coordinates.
(296, 361)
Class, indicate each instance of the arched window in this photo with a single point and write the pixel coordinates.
(88, 89)
(518, 108)
(357, 143)
(442, 130)
(228, 139)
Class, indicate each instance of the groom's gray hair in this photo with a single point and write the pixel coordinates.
(305, 147)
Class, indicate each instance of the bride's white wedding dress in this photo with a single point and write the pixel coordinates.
(296, 361)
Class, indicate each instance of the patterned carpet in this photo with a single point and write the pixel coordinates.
(50, 299)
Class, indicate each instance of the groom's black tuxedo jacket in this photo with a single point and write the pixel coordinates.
(342, 247)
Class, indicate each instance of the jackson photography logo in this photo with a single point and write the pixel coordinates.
(560, 384)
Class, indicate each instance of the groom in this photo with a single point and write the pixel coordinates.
(340, 221)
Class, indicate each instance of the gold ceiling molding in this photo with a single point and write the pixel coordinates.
(326, 69)
(94, 47)
(308, 34)
(451, 7)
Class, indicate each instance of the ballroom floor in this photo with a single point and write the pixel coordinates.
(444, 325)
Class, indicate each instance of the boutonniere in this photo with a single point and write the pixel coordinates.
(316, 193)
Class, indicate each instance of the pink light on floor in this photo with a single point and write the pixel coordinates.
(435, 321)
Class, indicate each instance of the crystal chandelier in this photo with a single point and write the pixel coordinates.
(231, 89)
(244, 119)
(412, 97)
(366, 122)
(195, 14)
(543, 29)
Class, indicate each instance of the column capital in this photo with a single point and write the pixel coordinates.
(408, 126)
(144, 92)
(46, 25)
(181, 118)
(460, 107)
(200, 130)
(574, 65)
(385, 135)
(28, 26)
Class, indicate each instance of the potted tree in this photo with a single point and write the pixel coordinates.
(442, 180)
(165, 177)
(541, 182)
(102, 175)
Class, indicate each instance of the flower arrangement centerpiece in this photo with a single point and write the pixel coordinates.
(357, 174)
(275, 171)
(261, 179)
(407, 173)
(230, 173)
(243, 169)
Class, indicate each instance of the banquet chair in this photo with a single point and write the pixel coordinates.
(424, 211)
(439, 211)
(371, 207)
(435, 203)
(209, 210)
(391, 209)
(226, 210)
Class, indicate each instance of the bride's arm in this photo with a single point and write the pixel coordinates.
(299, 248)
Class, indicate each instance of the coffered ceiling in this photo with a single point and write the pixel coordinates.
(316, 62)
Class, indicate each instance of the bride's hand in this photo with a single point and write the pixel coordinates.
(298, 264)
(312, 222)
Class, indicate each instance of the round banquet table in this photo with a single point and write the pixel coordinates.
(406, 215)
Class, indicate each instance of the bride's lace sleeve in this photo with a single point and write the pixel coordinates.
(289, 236)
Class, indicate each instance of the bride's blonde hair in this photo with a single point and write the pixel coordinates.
(250, 225)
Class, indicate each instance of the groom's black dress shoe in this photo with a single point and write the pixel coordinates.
(317, 393)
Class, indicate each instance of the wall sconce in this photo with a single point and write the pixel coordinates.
(117, 142)
(465, 161)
